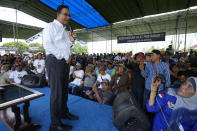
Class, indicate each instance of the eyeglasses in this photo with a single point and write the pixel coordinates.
(66, 14)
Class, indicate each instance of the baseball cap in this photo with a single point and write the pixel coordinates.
(156, 52)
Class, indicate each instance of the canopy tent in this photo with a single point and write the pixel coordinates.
(193, 47)
(98, 13)
(27, 53)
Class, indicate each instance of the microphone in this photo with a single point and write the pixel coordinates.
(71, 32)
(70, 28)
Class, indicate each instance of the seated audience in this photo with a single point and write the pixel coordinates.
(4, 75)
(115, 70)
(103, 95)
(102, 75)
(90, 78)
(109, 68)
(18, 74)
(120, 81)
(78, 75)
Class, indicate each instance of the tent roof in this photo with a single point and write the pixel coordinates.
(116, 10)
(104, 12)
(24, 31)
(172, 23)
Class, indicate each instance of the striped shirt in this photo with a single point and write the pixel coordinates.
(149, 73)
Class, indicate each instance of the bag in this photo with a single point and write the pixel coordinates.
(34, 81)
(127, 115)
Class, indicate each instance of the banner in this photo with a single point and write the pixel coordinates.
(34, 48)
(142, 38)
(9, 48)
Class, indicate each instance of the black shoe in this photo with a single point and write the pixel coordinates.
(59, 128)
(70, 116)
(69, 127)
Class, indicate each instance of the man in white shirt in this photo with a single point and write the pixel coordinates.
(102, 76)
(57, 43)
(118, 57)
(39, 64)
(18, 74)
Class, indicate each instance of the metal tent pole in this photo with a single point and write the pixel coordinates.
(106, 38)
(111, 39)
(177, 31)
(126, 27)
(16, 26)
(14, 32)
(92, 42)
(186, 30)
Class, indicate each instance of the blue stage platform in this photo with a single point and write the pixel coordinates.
(92, 115)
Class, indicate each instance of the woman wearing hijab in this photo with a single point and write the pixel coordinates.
(172, 107)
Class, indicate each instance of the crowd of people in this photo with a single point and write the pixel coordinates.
(163, 83)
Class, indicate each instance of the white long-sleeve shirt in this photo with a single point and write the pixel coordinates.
(56, 40)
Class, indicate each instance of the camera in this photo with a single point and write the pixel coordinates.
(161, 78)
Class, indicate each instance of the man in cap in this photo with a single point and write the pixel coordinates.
(103, 95)
(137, 81)
(153, 68)
(167, 59)
(120, 81)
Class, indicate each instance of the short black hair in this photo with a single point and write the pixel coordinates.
(59, 8)
(182, 73)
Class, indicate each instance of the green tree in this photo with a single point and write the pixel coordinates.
(163, 49)
(78, 49)
(36, 45)
(22, 46)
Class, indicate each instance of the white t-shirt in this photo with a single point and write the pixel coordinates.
(17, 76)
(71, 70)
(119, 58)
(8, 72)
(39, 64)
(123, 58)
(100, 78)
(77, 81)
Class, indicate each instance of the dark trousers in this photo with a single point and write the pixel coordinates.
(146, 97)
(138, 92)
(58, 73)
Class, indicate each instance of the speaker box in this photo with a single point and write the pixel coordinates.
(127, 115)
